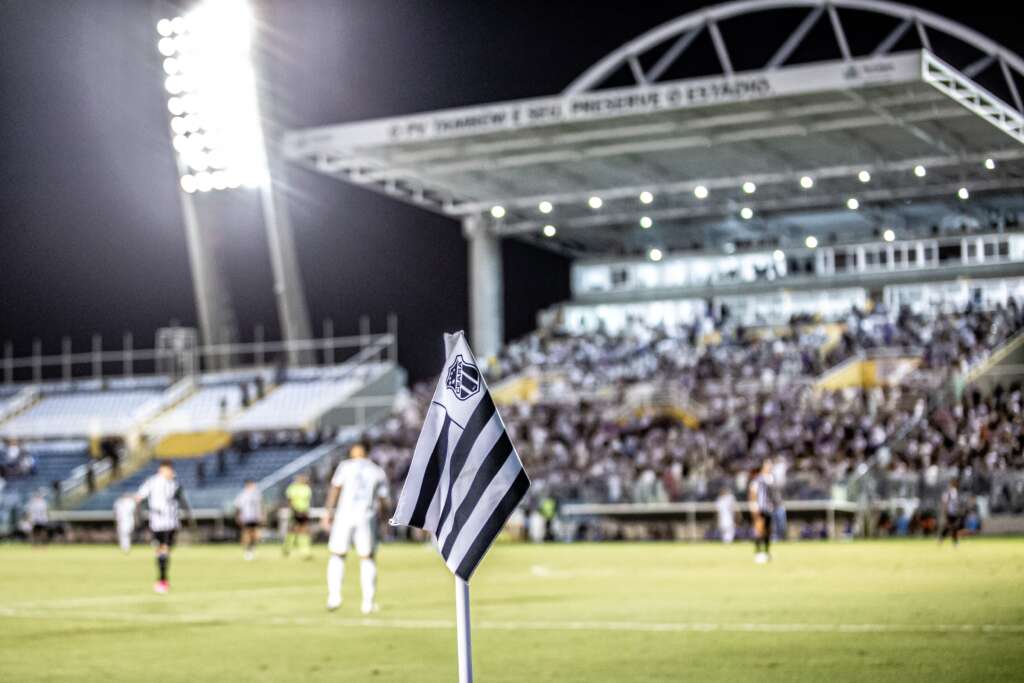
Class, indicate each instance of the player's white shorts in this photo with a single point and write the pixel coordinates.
(362, 535)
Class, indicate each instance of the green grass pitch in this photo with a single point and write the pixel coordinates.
(863, 611)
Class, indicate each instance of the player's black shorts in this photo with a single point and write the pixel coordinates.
(300, 517)
(165, 537)
(250, 526)
(954, 521)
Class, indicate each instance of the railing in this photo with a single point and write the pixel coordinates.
(129, 362)
(690, 511)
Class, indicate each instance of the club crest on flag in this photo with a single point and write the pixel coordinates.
(463, 379)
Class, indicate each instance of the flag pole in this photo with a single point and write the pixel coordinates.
(462, 630)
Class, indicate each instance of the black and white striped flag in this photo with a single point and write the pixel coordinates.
(466, 477)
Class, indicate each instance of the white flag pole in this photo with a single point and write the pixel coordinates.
(462, 630)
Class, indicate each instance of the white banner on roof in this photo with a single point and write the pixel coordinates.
(612, 103)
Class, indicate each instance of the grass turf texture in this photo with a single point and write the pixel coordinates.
(886, 611)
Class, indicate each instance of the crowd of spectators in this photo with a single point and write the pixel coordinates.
(589, 445)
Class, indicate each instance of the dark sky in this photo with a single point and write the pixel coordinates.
(91, 228)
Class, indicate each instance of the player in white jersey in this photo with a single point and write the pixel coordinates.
(249, 515)
(166, 500)
(124, 516)
(360, 489)
(726, 506)
(38, 513)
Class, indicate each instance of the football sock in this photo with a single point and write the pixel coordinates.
(161, 562)
(368, 579)
(335, 575)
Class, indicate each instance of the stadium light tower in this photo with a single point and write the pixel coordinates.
(218, 136)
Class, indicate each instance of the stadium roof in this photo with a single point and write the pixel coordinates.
(686, 153)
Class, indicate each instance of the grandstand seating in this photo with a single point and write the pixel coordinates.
(54, 461)
(217, 490)
(208, 408)
(81, 414)
(296, 403)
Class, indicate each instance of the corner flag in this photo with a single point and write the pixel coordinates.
(466, 477)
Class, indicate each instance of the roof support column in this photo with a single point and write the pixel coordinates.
(486, 295)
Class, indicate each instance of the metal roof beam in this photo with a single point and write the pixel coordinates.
(720, 49)
(890, 40)
(638, 71)
(1011, 84)
(922, 34)
(673, 53)
(977, 67)
(794, 40)
(837, 28)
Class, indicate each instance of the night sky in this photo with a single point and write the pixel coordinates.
(92, 234)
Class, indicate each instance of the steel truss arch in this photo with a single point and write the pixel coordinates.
(683, 30)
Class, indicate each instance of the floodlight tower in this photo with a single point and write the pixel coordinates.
(218, 135)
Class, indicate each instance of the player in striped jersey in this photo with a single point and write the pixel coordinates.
(952, 513)
(166, 500)
(763, 498)
(360, 489)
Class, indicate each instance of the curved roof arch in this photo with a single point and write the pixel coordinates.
(686, 28)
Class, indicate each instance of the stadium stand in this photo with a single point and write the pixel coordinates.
(582, 439)
(305, 396)
(38, 465)
(210, 481)
(87, 409)
(208, 408)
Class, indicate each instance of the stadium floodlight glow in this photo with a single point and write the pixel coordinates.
(962, 193)
(746, 213)
(889, 235)
(749, 187)
(204, 183)
(852, 204)
(811, 242)
(646, 197)
(166, 46)
(550, 230)
(700, 192)
(864, 177)
(545, 207)
(807, 182)
(990, 164)
(497, 211)
(646, 222)
(595, 202)
(655, 254)
(188, 183)
(212, 94)
(779, 255)
(920, 171)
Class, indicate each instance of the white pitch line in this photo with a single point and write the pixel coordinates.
(614, 626)
(69, 603)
